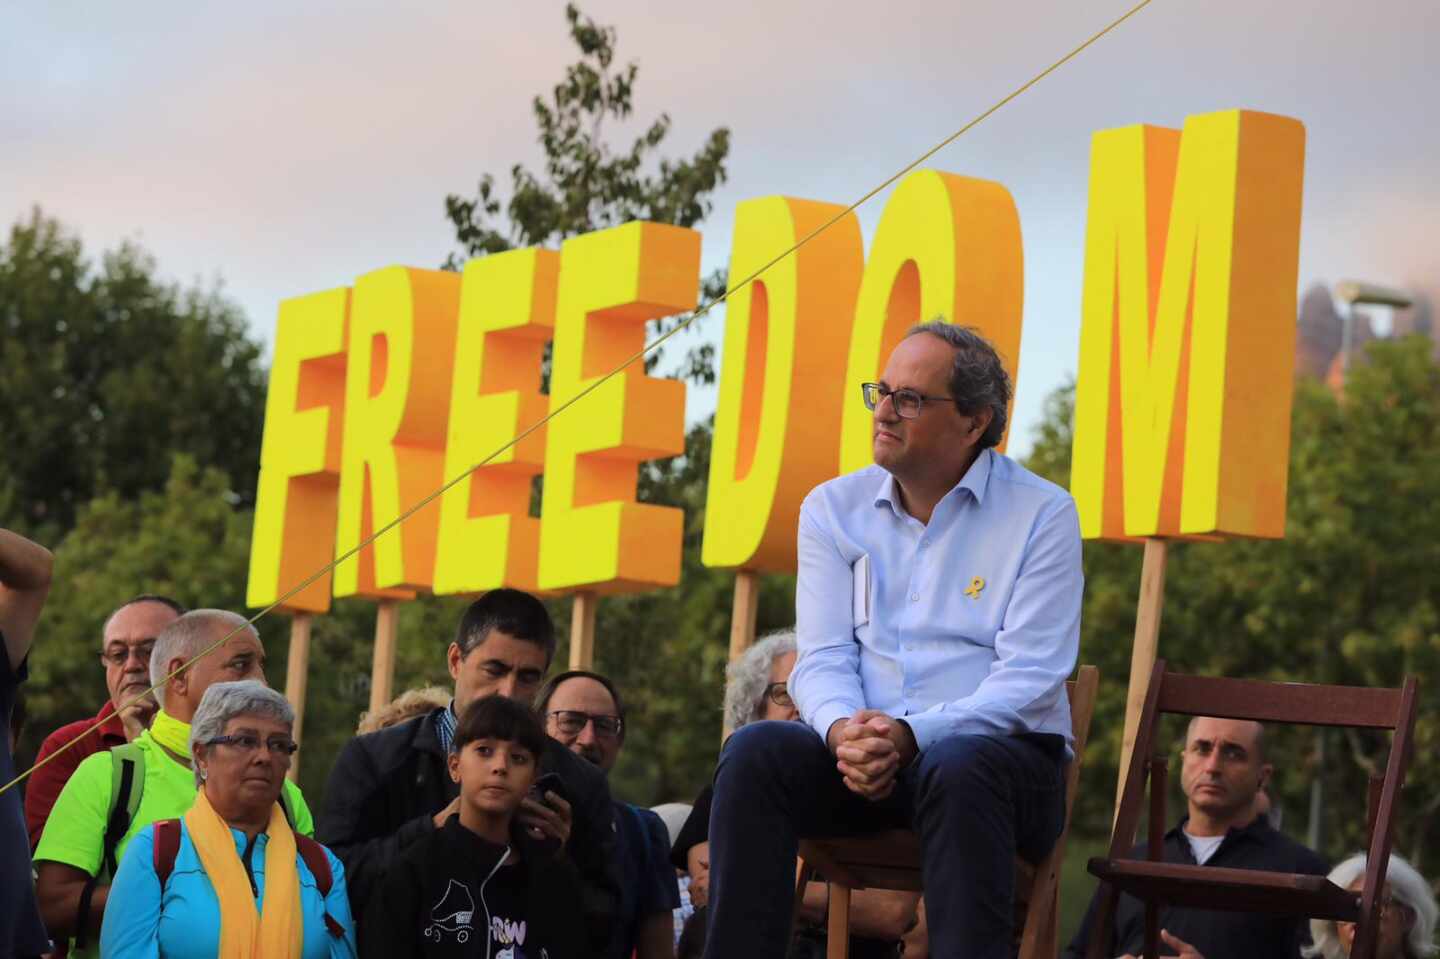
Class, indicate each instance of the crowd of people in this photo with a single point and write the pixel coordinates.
(937, 619)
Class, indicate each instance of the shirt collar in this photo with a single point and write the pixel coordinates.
(1258, 830)
(445, 721)
(111, 728)
(976, 480)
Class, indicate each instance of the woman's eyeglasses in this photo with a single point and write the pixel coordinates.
(779, 694)
(247, 743)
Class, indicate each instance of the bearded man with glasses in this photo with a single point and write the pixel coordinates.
(938, 617)
(126, 642)
(583, 711)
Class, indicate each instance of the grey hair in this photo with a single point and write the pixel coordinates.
(222, 702)
(1408, 888)
(185, 638)
(747, 677)
(978, 380)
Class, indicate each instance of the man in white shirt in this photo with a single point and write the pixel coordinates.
(938, 615)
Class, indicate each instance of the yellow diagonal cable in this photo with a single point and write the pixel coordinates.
(596, 384)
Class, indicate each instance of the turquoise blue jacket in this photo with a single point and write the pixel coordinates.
(183, 921)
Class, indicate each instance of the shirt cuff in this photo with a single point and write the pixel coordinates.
(827, 714)
(928, 726)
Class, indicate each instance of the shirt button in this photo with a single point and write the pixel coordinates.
(914, 597)
(924, 543)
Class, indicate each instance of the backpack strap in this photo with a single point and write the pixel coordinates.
(127, 785)
(167, 847)
(313, 855)
(315, 859)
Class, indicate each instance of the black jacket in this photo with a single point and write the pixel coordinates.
(387, 786)
(439, 899)
(1218, 935)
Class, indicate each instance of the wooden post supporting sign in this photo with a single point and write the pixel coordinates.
(382, 668)
(1145, 650)
(582, 631)
(742, 622)
(297, 668)
(742, 614)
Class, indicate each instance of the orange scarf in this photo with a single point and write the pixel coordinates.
(276, 931)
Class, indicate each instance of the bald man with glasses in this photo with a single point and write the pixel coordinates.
(127, 639)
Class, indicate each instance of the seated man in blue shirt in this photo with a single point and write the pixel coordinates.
(938, 614)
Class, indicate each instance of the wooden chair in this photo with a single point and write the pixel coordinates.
(891, 859)
(1159, 883)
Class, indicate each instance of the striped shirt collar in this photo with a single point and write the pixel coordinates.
(445, 726)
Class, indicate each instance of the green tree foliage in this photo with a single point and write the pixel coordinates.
(185, 540)
(1349, 595)
(586, 185)
(105, 370)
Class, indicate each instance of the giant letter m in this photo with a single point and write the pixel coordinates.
(1187, 340)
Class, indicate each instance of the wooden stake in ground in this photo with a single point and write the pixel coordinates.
(382, 667)
(582, 631)
(1144, 651)
(297, 669)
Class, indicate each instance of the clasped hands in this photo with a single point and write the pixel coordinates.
(870, 749)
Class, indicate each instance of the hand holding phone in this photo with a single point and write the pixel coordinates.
(545, 812)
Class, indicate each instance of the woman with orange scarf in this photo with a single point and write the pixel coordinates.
(231, 880)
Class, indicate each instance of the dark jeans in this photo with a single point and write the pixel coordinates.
(976, 801)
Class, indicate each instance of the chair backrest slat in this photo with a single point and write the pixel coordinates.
(1264, 702)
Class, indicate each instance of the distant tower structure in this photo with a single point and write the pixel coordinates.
(1333, 330)
(1317, 341)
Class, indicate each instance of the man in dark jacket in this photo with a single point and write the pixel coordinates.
(391, 788)
(1222, 775)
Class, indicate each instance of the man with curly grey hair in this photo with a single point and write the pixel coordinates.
(756, 684)
(938, 616)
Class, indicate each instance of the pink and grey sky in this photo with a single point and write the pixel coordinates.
(286, 148)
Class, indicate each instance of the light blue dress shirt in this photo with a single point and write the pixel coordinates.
(182, 921)
(967, 625)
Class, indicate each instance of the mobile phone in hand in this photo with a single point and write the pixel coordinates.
(549, 782)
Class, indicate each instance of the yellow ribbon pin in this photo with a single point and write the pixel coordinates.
(976, 584)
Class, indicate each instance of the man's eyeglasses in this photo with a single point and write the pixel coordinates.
(118, 655)
(247, 743)
(572, 722)
(907, 402)
(779, 694)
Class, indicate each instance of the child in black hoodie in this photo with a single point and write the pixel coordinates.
(479, 887)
